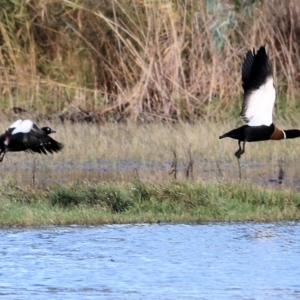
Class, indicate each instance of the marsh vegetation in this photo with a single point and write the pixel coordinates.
(158, 81)
(128, 179)
(143, 60)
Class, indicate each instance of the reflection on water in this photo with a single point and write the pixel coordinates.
(209, 261)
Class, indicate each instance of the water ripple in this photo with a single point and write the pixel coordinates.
(208, 261)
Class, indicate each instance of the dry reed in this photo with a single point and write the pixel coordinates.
(144, 60)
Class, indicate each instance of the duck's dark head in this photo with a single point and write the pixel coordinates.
(48, 130)
(291, 133)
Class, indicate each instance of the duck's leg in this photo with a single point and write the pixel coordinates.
(238, 155)
(240, 170)
(2, 155)
(241, 150)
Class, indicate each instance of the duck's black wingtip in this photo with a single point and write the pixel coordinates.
(60, 146)
(57, 147)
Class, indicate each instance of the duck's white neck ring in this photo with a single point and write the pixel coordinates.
(284, 135)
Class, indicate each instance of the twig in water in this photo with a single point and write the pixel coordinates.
(240, 171)
(219, 169)
(174, 166)
(137, 177)
(280, 173)
(189, 168)
(33, 171)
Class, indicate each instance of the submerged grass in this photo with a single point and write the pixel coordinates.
(136, 202)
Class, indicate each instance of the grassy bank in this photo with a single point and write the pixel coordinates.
(137, 202)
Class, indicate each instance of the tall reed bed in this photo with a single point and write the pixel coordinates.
(144, 60)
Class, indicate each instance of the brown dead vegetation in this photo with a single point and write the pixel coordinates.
(143, 60)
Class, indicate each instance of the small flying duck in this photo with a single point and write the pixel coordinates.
(24, 135)
(258, 103)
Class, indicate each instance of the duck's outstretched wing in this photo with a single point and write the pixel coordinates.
(40, 142)
(259, 91)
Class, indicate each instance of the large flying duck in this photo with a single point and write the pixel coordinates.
(258, 103)
(24, 135)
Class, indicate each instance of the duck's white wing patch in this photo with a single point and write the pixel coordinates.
(16, 124)
(24, 127)
(258, 105)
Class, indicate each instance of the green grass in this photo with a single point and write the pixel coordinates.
(137, 202)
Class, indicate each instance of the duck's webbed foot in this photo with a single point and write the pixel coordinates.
(241, 150)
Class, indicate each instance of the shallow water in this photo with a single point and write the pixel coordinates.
(129, 170)
(209, 261)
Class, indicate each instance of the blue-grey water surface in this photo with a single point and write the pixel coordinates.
(209, 261)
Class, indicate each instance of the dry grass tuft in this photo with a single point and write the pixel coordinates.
(119, 152)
